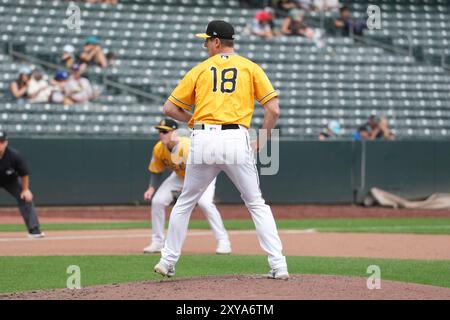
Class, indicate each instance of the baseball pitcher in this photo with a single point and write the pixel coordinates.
(221, 92)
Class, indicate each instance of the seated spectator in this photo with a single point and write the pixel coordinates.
(92, 54)
(68, 57)
(58, 83)
(19, 87)
(39, 89)
(332, 131)
(111, 58)
(327, 5)
(375, 128)
(383, 131)
(362, 133)
(78, 89)
(346, 23)
(263, 24)
(294, 25)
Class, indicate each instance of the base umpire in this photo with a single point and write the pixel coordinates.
(14, 178)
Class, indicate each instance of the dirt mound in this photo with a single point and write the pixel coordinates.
(246, 287)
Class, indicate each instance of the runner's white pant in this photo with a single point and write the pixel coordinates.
(164, 197)
(215, 147)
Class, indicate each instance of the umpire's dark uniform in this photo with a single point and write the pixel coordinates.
(12, 167)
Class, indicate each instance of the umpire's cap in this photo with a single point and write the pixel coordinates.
(3, 135)
(218, 29)
(167, 125)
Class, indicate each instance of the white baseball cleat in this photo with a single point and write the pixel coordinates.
(36, 235)
(279, 274)
(223, 247)
(154, 248)
(164, 269)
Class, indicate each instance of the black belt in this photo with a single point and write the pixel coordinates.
(224, 126)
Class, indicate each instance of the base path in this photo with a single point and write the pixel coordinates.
(243, 287)
(295, 242)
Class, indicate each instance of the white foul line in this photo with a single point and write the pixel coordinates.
(145, 235)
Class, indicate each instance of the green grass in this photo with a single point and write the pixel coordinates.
(383, 225)
(35, 273)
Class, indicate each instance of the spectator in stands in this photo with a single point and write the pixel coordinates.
(39, 89)
(332, 131)
(19, 87)
(78, 89)
(382, 131)
(294, 25)
(362, 133)
(58, 84)
(92, 54)
(68, 57)
(263, 24)
(346, 23)
(375, 128)
(111, 58)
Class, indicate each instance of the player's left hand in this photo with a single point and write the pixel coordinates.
(26, 196)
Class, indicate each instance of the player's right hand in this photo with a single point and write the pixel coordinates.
(149, 194)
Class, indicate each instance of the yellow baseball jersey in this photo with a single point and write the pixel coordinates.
(163, 158)
(222, 90)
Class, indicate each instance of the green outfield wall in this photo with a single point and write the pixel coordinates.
(114, 171)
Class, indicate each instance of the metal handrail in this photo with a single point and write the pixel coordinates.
(105, 80)
(16, 54)
(132, 90)
(393, 48)
(399, 50)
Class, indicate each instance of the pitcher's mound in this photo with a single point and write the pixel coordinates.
(246, 287)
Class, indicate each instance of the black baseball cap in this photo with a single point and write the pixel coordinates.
(167, 125)
(3, 135)
(218, 29)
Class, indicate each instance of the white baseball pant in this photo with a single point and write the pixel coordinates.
(164, 197)
(210, 152)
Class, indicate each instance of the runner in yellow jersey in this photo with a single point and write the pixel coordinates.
(220, 92)
(171, 152)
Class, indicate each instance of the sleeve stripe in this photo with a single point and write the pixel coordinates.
(185, 104)
(267, 96)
